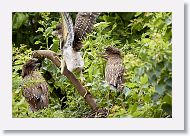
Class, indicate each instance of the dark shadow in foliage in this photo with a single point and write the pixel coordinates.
(25, 25)
(57, 92)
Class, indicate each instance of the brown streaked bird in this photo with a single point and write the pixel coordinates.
(114, 71)
(71, 38)
(34, 86)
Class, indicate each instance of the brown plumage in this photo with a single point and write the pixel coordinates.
(73, 35)
(114, 68)
(83, 25)
(34, 86)
(71, 38)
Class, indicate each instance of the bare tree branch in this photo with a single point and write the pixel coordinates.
(55, 59)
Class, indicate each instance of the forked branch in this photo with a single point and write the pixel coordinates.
(55, 59)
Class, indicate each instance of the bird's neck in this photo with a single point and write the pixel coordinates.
(114, 56)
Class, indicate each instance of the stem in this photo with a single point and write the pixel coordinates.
(47, 43)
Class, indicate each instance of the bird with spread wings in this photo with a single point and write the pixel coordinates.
(71, 38)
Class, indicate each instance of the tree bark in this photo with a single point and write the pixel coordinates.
(55, 59)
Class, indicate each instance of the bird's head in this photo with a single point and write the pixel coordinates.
(111, 51)
(58, 32)
(30, 66)
(64, 32)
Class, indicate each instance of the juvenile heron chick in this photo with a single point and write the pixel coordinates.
(34, 86)
(71, 38)
(114, 68)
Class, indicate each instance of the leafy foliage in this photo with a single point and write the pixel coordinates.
(145, 39)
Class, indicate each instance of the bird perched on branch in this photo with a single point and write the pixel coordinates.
(114, 68)
(34, 86)
(71, 38)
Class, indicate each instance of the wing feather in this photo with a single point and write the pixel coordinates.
(35, 91)
(83, 24)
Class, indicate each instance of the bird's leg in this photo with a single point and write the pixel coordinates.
(62, 65)
(62, 59)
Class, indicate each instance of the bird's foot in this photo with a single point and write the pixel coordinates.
(85, 94)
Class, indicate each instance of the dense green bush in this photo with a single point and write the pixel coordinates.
(145, 39)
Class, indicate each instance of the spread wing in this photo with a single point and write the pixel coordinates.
(67, 30)
(83, 24)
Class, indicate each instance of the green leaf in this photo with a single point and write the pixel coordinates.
(102, 25)
(19, 19)
(133, 108)
(40, 29)
(90, 70)
(48, 31)
(139, 71)
(168, 99)
(131, 85)
(126, 91)
(37, 42)
(167, 108)
(160, 88)
(55, 46)
(144, 79)
(17, 90)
